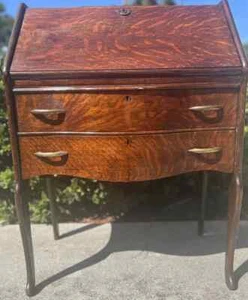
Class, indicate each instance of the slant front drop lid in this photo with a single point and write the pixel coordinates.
(101, 38)
(126, 94)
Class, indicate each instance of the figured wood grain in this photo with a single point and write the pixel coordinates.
(131, 158)
(97, 52)
(98, 38)
(110, 112)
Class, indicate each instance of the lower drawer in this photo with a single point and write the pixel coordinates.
(127, 158)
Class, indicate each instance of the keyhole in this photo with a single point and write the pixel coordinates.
(128, 98)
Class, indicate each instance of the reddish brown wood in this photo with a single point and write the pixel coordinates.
(88, 59)
(132, 158)
(133, 88)
(178, 81)
(111, 74)
(108, 112)
(98, 38)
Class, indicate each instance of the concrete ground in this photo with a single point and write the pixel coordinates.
(131, 261)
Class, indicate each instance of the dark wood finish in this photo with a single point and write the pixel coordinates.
(181, 80)
(234, 210)
(22, 210)
(134, 88)
(90, 61)
(110, 75)
(98, 38)
(132, 158)
(171, 110)
(20, 185)
(235, 193)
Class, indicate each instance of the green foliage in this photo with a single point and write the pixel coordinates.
(2, 8)
(68, 192)
(169, 2)
(145, 2)
(7, 213)
(40, 209)
(6, 23)
(81, 189)
(7, 179)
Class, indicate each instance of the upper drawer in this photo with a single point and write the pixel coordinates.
(108, 112)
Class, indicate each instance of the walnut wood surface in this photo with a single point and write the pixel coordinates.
(110, 112)
(98, 38)
(132, 158)
(96, 51)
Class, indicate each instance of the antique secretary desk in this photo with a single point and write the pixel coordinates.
(126, 94)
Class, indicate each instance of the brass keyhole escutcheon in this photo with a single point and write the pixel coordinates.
(125, 12)
(128, 98)
(128, 141)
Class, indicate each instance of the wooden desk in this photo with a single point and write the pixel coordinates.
(126, 94)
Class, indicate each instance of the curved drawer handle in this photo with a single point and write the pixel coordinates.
(51, 154)
(204, 108)
(48, 111)
(205, 150)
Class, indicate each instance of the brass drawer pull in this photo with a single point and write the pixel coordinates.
(48, 111)
(51, 154)
(204, 108)
(205, 150)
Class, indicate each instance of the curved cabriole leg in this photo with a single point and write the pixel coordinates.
(25, 228)
(234, 209)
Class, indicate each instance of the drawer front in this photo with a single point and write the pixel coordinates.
(127, 158)
(168, 110)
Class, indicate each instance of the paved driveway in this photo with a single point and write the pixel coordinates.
(136, 261)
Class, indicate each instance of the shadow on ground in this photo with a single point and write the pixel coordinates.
(172, 238)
